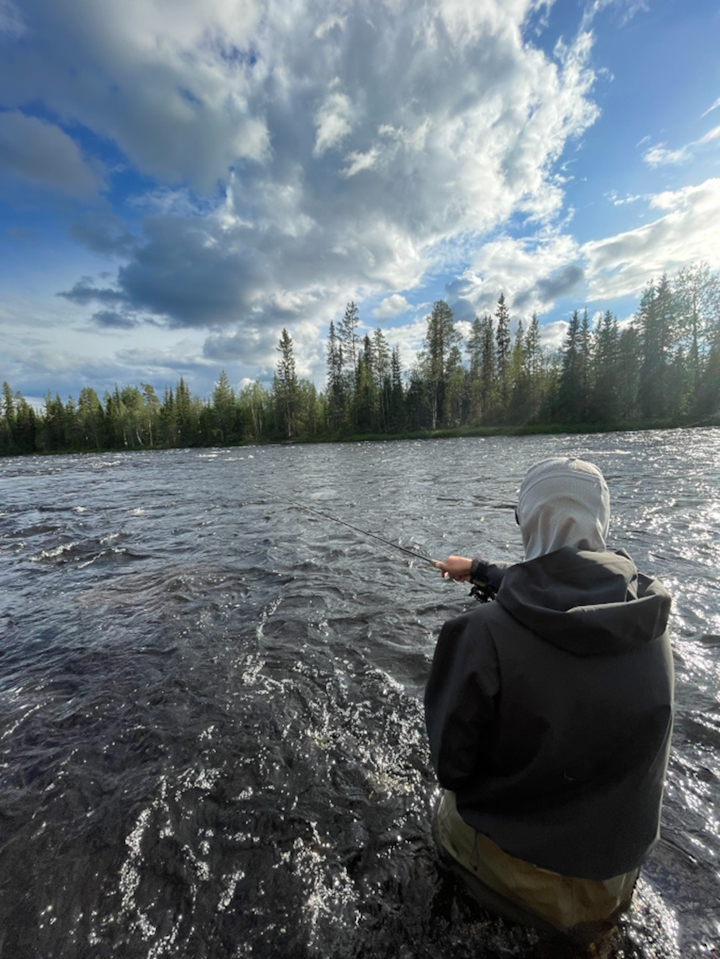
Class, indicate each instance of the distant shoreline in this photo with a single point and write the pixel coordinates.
(575, 429)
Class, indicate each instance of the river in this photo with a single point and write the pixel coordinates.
(211, 728)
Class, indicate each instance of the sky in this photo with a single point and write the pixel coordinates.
(182, 179)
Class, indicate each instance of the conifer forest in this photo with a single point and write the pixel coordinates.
(662, 368)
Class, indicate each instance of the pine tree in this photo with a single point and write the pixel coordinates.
(502, 354)
(570, 386)
(8, 420)
(168, 418)
(25, 426)
(534, 363)
(349, 341)
(488, 371)
(185, 414)
(439, 361)
(285, 386)
(656, 324)
(518, 406)
(604, 400)
(584, 369)
(336, 392)
(364, 395)
(628, 372)
(454, 388)
(474, 349)
(382, 375)
(223, 403)
(396, 413)
(152, 412)
(90, 418)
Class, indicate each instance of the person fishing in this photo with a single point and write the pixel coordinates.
(549, 715)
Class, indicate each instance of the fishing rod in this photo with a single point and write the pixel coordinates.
(363, 532)
(483, 592)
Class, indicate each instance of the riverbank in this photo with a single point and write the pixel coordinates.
(535, 429)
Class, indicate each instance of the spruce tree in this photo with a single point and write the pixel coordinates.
(570, 386)
(534, 365)
(396, 413)
(285, 386)
(336, 391)
(488, 371)
(439, 361)
(474, 349)
(656, 324)
(223, 405)
(502, 354)
(347, 333)
(382, 376)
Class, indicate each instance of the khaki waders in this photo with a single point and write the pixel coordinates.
(521, 891)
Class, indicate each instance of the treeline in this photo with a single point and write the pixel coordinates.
(663, 367)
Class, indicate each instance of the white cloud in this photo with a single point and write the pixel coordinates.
(623, 201)
(659, 156)
(334, 122)
(711, 108)
(308, 154)
(625, 9)
(43, 155)
(553, 334)
(689, 232)
(361, 161)
(170, 88)
(391, 306)
(458, 122)
(532, 272)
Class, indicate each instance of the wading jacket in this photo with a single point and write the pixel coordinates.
(549, 712)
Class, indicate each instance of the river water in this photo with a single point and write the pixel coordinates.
(211, 729)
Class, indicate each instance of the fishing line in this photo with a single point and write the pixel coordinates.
(342, 522)
(483, 592)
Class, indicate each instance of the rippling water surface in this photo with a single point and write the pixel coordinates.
(211, 731)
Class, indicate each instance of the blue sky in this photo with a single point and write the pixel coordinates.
(181, 180)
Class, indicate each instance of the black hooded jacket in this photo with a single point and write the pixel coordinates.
(549, 712)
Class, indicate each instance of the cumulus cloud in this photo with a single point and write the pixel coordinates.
(171, 90)
(553, 334)
(41, 154)
(352, 173)
(532, 272)
(391, 306)
(302, 155)
(535, 272)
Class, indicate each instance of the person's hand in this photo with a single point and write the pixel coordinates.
(455, 567)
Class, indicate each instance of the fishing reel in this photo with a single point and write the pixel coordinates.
(483, 592)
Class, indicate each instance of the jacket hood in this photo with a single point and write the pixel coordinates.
(563, 501)
(585, 602)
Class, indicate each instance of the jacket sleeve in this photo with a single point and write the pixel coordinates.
(485, 573)
(460, 698)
